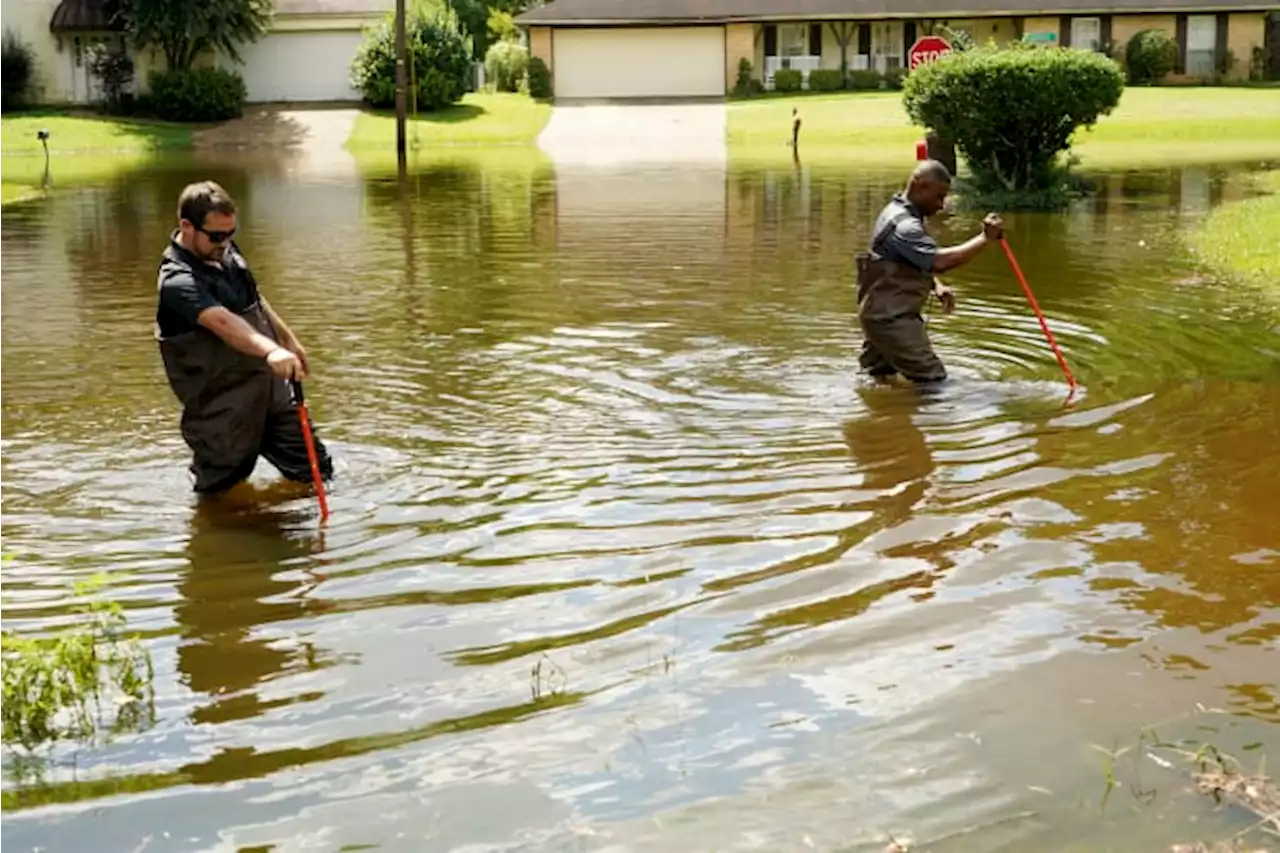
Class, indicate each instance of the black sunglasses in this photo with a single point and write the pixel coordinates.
(217, 236)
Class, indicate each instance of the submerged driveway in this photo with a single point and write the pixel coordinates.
(602, 133)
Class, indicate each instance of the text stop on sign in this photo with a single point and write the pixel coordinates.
(927, 49)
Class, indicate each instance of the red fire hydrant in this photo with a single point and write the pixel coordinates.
(922, 150)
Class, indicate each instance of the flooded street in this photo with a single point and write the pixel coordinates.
(623, 555)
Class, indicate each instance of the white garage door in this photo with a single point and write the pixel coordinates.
(621, 62)
(300, 66)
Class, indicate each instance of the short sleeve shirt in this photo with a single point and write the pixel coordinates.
(907, 242)
(188, 286)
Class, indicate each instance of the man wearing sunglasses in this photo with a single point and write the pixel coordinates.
(227, 354)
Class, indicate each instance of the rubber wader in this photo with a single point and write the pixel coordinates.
(891, 296)
(235, 409)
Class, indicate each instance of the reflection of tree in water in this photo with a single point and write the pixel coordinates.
(481, 233)
(228, 591)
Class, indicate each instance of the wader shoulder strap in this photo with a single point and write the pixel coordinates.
(889, 228)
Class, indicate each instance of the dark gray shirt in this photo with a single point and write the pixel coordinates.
(907, 242)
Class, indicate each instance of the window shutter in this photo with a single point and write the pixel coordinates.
(815, 39)
(908, 39)
(864, 39)
(770, 40)
(1181, 38)
(1064, 31)
(1220, 44)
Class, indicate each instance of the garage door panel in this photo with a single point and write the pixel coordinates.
(300, 66)
(624, 62)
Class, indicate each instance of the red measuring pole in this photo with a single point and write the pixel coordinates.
(305, 418)
(1035, 306)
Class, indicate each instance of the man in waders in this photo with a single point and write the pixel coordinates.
(897, 275)
(228, 356)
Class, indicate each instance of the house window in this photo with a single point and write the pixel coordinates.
(793, 39)
(1202, 34)
(1086, 33)
(886, 45)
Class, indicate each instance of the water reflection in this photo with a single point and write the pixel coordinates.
(604, 421)
(231, 597)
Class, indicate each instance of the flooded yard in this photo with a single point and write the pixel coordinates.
(623, 555)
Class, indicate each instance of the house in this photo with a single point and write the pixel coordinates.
(692, 48)
(304, 56)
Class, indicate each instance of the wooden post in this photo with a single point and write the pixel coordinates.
(400, 84)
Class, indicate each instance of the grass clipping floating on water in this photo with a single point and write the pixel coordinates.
(1240, 239)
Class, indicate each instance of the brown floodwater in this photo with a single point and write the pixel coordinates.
(623, 555)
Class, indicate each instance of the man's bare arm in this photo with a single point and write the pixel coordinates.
(955, 256)
(287, 337)
(238, 333)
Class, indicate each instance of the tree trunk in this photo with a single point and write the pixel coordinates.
(844, 35)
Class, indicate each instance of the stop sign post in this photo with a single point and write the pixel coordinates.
(926, 49)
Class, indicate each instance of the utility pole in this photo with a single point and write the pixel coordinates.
(400, 85)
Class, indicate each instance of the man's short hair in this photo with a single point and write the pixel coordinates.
(931, 170)
(200, 199)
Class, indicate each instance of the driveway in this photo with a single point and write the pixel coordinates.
(593, 133)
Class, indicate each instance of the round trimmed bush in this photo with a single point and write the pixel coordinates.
(439, 60)
(539, 79)
(505, 65)
(1149, 56)
(1011, 112)
(197, 94)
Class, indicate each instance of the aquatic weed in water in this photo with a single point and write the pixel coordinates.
(74, 685)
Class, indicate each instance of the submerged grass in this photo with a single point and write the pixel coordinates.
(1242, 239)
(74, 685)
(479, 119)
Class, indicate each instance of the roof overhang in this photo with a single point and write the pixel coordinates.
(72, 17)
(532, 19)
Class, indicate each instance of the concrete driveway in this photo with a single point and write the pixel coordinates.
(596, 133)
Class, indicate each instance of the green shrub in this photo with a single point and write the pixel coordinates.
(18, 68)
(826, 80)
(439, 61)
(113, 68)
(539, 79)
(746, 84)
(1259, 62)
(787, 80)
(1011, 112)
(894, 77)
(505, 65)
(197, 94)
(1149, 56)
(864, 79)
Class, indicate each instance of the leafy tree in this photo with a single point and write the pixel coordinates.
(183, 29)
(1011, 112)
(439, 60)
(502, 26)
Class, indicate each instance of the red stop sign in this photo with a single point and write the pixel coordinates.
(927, 49)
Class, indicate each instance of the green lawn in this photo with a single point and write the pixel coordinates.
(479, 119)
(1242, 239)
(16, 192)
(1149, 125)
(75, 134)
